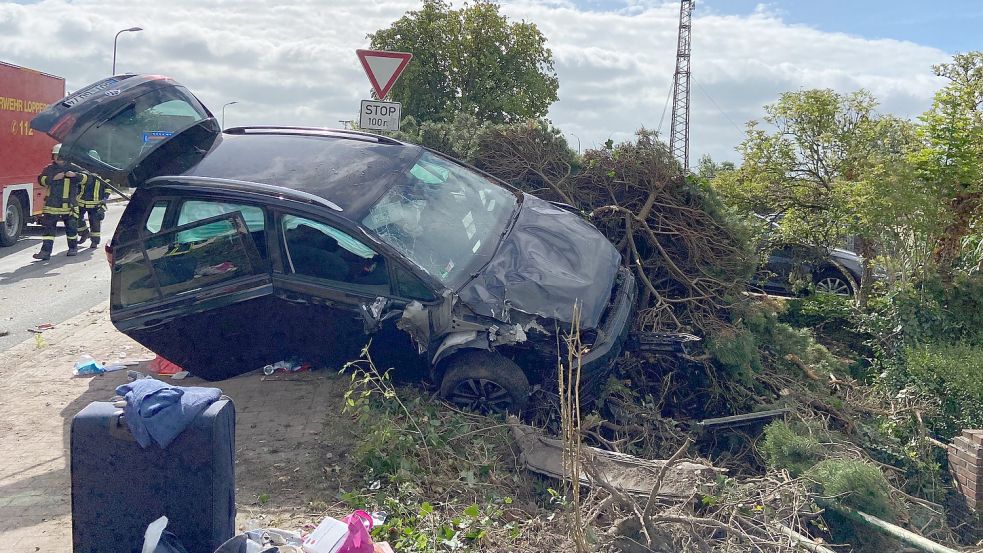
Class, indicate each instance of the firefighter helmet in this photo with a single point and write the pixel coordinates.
(55, 149)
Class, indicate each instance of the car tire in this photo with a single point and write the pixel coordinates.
(833, 282)
(485, 382)
(13, 222)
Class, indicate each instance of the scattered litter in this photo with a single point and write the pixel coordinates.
(263, 539)
(291, 365)
(86, 365)
(163, 367)
(117, 366)
(180, 376)
(41, 328)
(151, 538)
(349, 535)
(628, 473)
(326, 537)
(4, 332)
(136, 375)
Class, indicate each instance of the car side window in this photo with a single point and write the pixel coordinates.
(410, 286)
(132, 281)
(321, 251)
(155, 221)
(182, 260)
(197, 210)
(202, 255)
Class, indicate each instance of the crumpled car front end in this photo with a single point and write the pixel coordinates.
(551, 260)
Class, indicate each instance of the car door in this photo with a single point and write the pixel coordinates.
(130, 128)
(779, 267)
(327, 276)
(198, 294)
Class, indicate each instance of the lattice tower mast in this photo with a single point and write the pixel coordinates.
(679, 132)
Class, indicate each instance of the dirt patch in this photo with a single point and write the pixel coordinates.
(292, 439)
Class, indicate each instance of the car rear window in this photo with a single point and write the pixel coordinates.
(140, 126)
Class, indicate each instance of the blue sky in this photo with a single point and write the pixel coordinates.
(949, 25)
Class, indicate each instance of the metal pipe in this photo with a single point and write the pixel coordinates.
(906, 536)
(801, 541)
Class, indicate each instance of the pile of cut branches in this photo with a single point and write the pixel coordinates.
(690, 260)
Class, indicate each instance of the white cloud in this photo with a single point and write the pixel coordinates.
(295, 64)
(616, 68)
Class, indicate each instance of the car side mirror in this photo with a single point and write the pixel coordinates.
(375, 313)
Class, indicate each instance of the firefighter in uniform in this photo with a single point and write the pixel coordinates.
(92, 209)
(63, 186)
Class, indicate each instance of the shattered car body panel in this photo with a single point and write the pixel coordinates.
(550, 260)
(245, 247)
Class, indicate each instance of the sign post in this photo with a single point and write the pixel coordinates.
(382, 68)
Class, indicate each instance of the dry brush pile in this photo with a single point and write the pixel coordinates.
(690, 261)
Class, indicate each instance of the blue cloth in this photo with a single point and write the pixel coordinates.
(158, 412)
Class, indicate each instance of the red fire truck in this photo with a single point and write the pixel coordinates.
(23, 153)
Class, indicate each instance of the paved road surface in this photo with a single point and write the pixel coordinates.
(35, 292)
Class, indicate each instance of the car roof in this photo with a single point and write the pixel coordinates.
(348, 169)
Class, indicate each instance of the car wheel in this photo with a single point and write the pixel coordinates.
(485, 382)
(833, 283)
(13, 222)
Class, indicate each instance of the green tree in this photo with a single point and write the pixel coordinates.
(707, 168)
(470, 60)
(833, 168)
(952, 160)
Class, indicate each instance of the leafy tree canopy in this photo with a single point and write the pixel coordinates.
(952, 160)
(470, 60)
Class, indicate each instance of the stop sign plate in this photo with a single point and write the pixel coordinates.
(379, 116)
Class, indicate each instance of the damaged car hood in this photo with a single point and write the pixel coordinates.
(551, 259)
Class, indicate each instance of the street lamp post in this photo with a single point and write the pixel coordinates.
(223, 113)
(130, 30)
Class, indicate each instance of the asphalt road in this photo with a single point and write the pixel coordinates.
(35, 292)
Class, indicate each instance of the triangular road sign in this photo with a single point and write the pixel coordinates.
(383, 68)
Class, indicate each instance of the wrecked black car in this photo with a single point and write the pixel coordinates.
(251, 245)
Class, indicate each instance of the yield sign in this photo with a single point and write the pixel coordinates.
(383, 68)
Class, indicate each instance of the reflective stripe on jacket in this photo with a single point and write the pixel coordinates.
(94, 191)
(63, 193)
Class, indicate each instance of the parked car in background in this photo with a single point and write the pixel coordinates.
(790, 268)
(245, 247)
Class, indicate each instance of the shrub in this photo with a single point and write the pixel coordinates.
(784, 448)
(953, 373)
(935, 311)
(855, 484)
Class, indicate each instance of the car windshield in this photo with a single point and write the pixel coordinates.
(444, 217)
